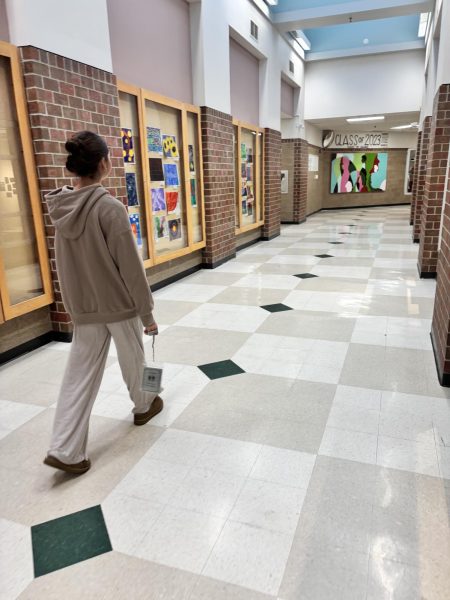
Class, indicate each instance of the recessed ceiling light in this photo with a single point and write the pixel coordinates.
(272, 2)
(410, 126)
(357, 119)
(365, 40)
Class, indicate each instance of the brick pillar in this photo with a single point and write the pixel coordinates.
(415, 172)
(300, 179)
(435, 182)
(65, 96)
(220, 186)
(440, 327)
(272, 187)
(421, 174)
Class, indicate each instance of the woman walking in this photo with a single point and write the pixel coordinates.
(105, 291)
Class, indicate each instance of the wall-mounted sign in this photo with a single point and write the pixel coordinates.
(313, 162)
(284, 182)
(344, 139)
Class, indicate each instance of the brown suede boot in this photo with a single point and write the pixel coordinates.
(155, 408)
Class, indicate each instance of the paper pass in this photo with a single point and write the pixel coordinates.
(151, 380)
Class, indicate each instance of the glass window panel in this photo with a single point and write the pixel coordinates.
(133, 171)
(196, 201)
(165, 163)
(248, 157)
(18, 245)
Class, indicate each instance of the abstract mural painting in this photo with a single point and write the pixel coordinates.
(358, 172)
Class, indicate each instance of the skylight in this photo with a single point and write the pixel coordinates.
(423, 24)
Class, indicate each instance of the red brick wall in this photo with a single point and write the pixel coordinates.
(65, 96)
(272, 183)
(440, 328)
(415, 172)
(435, 182)
(219, 182)
(299, 172)
(421, 175)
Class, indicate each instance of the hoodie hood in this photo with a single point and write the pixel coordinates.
(69, 208)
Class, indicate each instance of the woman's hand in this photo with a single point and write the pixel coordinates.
(152, 330)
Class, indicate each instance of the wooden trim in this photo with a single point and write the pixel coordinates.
(184, 108)
(11, 311)
(246, 228)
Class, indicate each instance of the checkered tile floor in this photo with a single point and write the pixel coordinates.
(304, 451)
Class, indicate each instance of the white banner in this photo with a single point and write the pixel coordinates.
(358, 140)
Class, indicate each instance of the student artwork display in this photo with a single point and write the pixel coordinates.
(243, 152)
(170, 146)
(172, 202)
(284, 182)
(358, 172)
(156, 169)
(136, 228)
(158, 200)
(127, 145)
(175, 229)
(247, 182)
(191, 158)
(193, 193)
(131, 189)
(161, 227)
(154, 143)
(171, 175)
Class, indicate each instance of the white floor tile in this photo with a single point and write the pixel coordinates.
(230, 317)
(15, 414)
(408, 455)
(16, 559)
(251, 557)
(284, 467)
(189, 292)
(349, 445)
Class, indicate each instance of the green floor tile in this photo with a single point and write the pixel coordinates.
(69, 540)
(223, 368)
(276, 307)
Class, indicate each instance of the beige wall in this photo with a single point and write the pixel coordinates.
(174, 267)
(17, 331)
(315, 183)
(4, 31)
(287, 163)
(394, 186)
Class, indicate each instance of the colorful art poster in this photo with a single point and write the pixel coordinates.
(131, 189)
(249, 187)
(358, 172)
(156, 169)
(136, 228)
(171, 175)
(154, 143)
(250, 209)
(243, 152)
(193, 193)
(170, 146)
(249, 173)
(243, 170)
(191, 158)
(158, 200)
(244, 188)
(175, 229)
(161, 227)
(172, 202)
(244, 207)
(127, 145)
(249, 155)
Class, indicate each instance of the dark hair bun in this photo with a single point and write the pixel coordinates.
(86, 149)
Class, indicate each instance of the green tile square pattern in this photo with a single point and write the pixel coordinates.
(324, 256)
(305, 275)
(276, 307)
(223, 368)
(69, 540)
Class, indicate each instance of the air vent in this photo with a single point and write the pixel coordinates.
(254, 30)
(291, 66)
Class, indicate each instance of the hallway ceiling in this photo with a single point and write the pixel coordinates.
(338, 28)
(390, 120)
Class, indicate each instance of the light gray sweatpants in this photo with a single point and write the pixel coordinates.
(82, 378)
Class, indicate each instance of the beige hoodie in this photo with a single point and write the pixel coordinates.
(101, 274)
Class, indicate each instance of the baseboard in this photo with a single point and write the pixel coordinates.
(248, 244)
(294, 222)
(160, 284)
(217, 263)
(314, 212)
(444, 378)
(267, 238)
(416, 241)
(26, 347)
(426, 274)
(58, 336)
(367, 206)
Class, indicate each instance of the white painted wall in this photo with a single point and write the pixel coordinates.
(364, 85)
(77, 30)
(212, 22)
